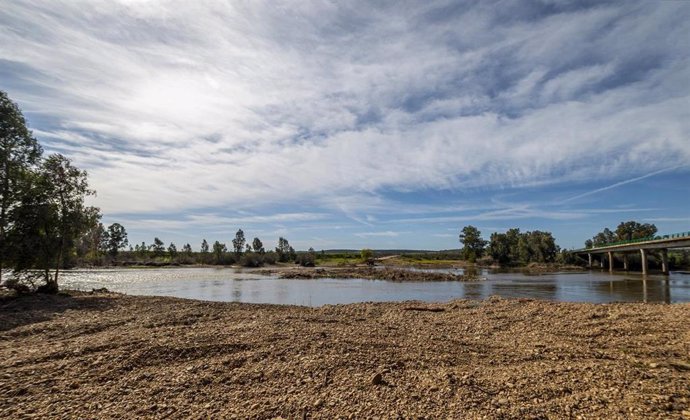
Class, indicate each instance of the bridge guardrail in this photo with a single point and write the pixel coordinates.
(637, 240)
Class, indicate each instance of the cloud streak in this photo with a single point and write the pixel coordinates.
(178, 106)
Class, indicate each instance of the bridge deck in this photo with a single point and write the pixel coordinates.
(676, 240)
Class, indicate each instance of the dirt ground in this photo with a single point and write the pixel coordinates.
(363, 272)
(113, 356)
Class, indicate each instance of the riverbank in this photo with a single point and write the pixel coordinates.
(113, 356)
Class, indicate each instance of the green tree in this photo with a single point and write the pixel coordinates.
(258, 246)
(500, 248)
(158, 247)
(19, 155)
(116, 238)
(204, 247)
(284, 250)
(172, 250)
(219, 251)
(634, 230)
(473, 244)
(187, 250)
(53, 218)
(238, 243)
(142, 250)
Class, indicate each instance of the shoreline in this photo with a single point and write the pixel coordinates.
(111, 356)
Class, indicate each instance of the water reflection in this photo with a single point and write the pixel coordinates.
(247, 286)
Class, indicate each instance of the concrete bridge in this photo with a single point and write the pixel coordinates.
(643, 245)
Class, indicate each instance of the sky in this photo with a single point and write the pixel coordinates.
(361, 124)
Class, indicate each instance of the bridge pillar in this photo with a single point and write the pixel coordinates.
(589, 256)
(610, 254)
(643, 253)
(664, 261)
(625, 262)
(601, 261)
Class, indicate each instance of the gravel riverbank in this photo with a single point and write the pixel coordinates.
(106, 355)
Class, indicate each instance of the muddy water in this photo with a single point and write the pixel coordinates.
(235, 285)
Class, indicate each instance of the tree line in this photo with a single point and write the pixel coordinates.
(108, 246)
(625, 231)
(512, 247)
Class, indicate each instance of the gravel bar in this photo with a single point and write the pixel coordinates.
(106, 355)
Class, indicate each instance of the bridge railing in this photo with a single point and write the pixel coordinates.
(637, 240)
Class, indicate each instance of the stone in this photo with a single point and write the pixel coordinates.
(377, 379)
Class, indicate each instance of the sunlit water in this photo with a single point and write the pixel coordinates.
(234, 285)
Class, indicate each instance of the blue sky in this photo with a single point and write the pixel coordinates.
(361, 124)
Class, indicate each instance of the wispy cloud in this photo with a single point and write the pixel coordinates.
(620, 184)
(178, 106)
(388, 233)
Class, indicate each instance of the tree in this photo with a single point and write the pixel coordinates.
(116, 239)
(158, 247)
(258, 246)
(284, 250)
(604, 237)
(53, 218)
(634, 230)
(19, 154)
(473, 244)
(238, 243)
(187, 250)
(219, 250)
(93, 243)
(172, 250)
(204, 247)
(142, 249)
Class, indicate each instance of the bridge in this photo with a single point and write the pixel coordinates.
(660, 244)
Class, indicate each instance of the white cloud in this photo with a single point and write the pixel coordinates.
(178, 105)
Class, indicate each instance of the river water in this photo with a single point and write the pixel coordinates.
(238, 285)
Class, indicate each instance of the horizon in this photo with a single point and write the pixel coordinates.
(359, 126)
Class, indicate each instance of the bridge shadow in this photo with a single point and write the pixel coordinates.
(17, 311)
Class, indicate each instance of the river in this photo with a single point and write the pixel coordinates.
(241, 285)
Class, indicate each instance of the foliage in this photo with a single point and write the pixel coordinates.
(625, 231)
(258, 246)
(219, 251)
(473, 244)
(158, 248)
(172, 250)
(514, 247)
(20, 153)
(238, 243)
(116, 239)
(285, 251)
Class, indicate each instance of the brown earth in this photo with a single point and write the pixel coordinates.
(113, 356)
(390, 274)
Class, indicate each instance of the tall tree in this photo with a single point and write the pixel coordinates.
(284, 250)
(634, 230)
(473, 244)
(19, 153)
(117, 239)
(204, 252)
(158, 247)
(187, 250)
(172, 250)
(258, 246)
(238, 243)
(54, 217)
(219, 251)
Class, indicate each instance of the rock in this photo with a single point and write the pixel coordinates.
(377, 379)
